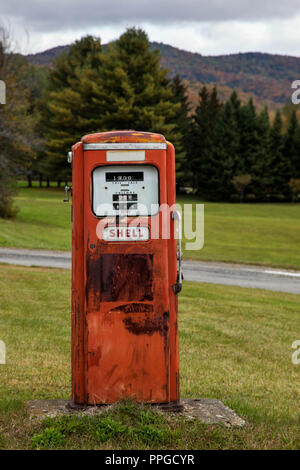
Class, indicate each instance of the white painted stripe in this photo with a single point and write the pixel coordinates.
(283, 273)
(125, 155)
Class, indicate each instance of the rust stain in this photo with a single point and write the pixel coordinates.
(123, 136)
(118, 277)
(92, 288)
(126, 277)
(135, 307)
(148, 325)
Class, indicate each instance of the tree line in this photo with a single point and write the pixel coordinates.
(224, 151)
(235, 152)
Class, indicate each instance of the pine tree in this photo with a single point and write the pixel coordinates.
(67, 109)
(199, 142)
(215, 105)
(261, 168)
(121, 88)
(182, 128)
(133, 91)
(247, 124)
(223, 158)
(200, 131)
(292, 146)
(278, 161)
(254, 146)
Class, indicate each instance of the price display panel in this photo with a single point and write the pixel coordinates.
(131, 190)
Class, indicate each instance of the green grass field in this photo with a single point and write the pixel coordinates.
(266, 234)
(43, 221)
(235, 345)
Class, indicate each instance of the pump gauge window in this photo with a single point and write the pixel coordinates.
(130, 190)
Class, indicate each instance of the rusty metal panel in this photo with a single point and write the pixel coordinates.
(126, 277)
(78, 313)
(126, 361)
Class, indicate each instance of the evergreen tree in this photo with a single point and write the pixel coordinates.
(247, 124)
(133, 91)
(199, 142)
(90, 91)
(292, 146)
(236, 105)
(261, 168)
(224, 154)
(215, 106)
(67, 108)
(182, 128)
(199, 131)
(280, 163)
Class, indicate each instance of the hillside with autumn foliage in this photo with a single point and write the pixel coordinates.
(265, 77)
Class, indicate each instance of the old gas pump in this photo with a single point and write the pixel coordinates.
(125, 275)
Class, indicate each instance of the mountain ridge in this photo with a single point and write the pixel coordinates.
(266, 77)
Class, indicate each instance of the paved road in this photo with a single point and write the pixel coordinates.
(215, 273)
(243, 276)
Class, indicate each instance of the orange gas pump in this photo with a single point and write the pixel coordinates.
(125, 271)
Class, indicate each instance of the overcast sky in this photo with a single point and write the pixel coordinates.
(209, 27)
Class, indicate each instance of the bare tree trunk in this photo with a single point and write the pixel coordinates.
(29, 181)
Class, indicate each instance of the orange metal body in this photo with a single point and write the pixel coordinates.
(124, 309)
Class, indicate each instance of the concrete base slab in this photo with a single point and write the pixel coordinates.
(208, 411)
(211, 411)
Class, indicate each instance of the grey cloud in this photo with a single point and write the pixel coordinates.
(56, 15)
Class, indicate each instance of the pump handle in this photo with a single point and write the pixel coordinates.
(67, 190)
(178, 286)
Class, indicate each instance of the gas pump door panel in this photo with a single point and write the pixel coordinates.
(131, 190)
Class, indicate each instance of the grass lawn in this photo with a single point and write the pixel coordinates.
(266, 234)
(43, 221)
(235, 345)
